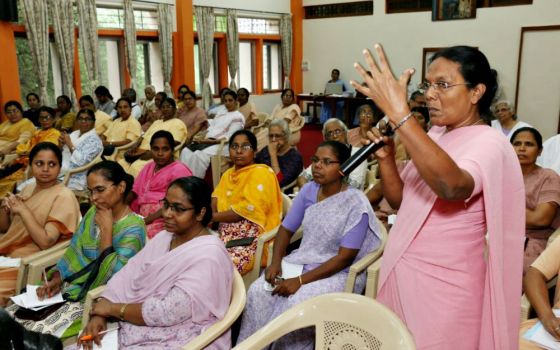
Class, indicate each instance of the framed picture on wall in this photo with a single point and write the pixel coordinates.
(427, 53)
(445, 10)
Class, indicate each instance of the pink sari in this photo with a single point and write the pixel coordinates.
(150, 187)
(434, 274)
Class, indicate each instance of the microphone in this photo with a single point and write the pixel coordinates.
(363, 153)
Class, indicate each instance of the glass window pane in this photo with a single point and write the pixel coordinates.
(258, 25)
(156, 73)
(142, 79)
(110, 70)
(245, 77)
(110, 18)
(272, 66)
(213, 78)
(27, 73)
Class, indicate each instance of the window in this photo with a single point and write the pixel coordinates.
(213, 79)
(258, 25)
(245, 77)
(272, 66)
(29, 81)
(114, 18)
(220, 23)
(148, 66)
(111, 65)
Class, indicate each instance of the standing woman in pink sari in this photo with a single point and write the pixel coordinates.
(152, 181)
(463, 183)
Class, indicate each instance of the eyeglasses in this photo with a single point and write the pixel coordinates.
(245, 147)
(334, 132)
(438, 86)
(325, 161)
(45, 117)
(275, 136)
(97, 190)
(504, 109)
(366, 114)
(12, 111)
(85, 120)
(177, 209)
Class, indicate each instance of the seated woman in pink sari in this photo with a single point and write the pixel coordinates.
(542, 193)
(177, 286)
(150, 185)
(463, 184)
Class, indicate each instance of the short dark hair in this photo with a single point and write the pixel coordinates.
(87, 98)
(113, 172)
(340, 150)
(424, 111)
(47, 109)
(536, 134)
(65, 98)
(163, 94)
(32, 94)
(15, 336)
(13, 103)
(183, 86)
(126, 99)
(250, 136)
(198, 193)
(163, 134)
(231, 93)
(171, 101)
(286, 91)
(335, 70)
(103, 91)
(89, 112)
(244, 90)
(190, 93)
(130, 93)
(46, 146)
(416, 94)
(475, 69)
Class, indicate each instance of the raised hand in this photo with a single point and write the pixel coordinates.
(388, 93)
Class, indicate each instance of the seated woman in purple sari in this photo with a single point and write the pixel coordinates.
(177, 286)
(339, 227)
(152, 181)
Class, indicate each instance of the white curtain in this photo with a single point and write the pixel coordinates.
(205, 29)
(286, 35)
(35, 15)
(63, 25)
(130, 41)
(232, 37)
(87, 19)
(165, 27)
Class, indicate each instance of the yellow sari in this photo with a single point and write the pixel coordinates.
(254, 194)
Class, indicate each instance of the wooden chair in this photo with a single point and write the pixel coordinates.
(30, 269)
(342, 321)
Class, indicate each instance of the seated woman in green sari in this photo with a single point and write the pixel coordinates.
(108, 236)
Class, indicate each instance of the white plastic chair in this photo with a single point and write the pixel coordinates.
(342, 321)
(252, 275)
(219, 163)
(85, 167)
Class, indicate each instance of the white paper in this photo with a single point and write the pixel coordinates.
(9, 262)
(289, 270)
(30, 300)
(391, 219)
(110, 341)
(538, 335)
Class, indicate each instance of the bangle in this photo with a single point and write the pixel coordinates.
(300, 280)
(403, 120)
(121, 313)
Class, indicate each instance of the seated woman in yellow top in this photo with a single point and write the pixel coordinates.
(290, 112)
(65, 117)
(44, 213)
(136, 157)
(15, 130)
(15, 170)
(102, 119)
(123, 129)
(247, 202)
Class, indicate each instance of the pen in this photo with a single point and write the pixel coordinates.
(45, 277)
(90, 337)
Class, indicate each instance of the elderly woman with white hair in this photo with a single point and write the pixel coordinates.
(150, 102)
(335, 130)
(284, 159)
(506, 119)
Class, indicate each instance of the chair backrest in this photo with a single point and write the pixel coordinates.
(342, 321)
(71, 172)
(286, 204)
(238, 299)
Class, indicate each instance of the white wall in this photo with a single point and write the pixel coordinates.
(338, 42)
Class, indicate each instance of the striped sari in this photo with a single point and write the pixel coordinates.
(129, 237)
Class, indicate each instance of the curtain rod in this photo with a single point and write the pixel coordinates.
(247, 11)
